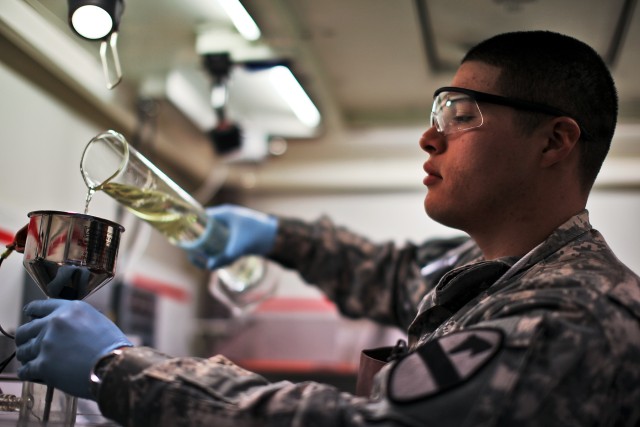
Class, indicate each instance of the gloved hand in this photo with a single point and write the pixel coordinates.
(63, 342)
(249, 233)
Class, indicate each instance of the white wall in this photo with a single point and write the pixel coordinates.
(41, 142)
(380, 216)
(616, 214)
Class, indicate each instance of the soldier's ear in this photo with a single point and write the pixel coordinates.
(561, 139)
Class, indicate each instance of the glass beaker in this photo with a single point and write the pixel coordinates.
(111, 165)
(47, 405)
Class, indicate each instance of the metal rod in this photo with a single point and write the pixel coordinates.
(428, 37)
(47, 403)
(620, 32)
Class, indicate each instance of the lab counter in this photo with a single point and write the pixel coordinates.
(6, 422)
(10, 419)
(87, 414)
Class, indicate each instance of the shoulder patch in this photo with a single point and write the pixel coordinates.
(442, 364)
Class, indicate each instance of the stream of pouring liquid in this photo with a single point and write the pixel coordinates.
(88, 199)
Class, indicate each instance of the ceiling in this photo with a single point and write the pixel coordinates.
(370, 67)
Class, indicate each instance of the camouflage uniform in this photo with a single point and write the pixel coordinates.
(552, 338)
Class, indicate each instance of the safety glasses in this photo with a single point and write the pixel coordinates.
(456, 109)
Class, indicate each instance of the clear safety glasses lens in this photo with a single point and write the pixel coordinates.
(455, 112)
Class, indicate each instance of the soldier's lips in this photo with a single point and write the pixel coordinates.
(431, 179)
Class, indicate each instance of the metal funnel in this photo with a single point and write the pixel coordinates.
(70, 255)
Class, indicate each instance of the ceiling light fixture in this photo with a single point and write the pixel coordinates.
(99, 20)
(294, 95)
(91, 22)
(243, 22)
(95, 19)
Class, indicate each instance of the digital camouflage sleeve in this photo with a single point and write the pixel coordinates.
(550, 339)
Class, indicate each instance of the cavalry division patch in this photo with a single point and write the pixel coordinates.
(442, 364)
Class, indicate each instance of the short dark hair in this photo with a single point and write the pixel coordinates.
(563, 72)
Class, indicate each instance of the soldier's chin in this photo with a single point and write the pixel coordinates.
(441, 215)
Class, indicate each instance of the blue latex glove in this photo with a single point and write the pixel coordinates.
(63, 342)
(248, 232)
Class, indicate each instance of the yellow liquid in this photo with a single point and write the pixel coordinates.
(177, 220)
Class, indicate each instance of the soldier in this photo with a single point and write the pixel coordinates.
(532, 321)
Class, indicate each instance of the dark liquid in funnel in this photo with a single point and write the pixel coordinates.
(66, 281)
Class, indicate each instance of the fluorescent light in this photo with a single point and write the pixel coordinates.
(288, 87)
(241, 19)
(92, 22)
